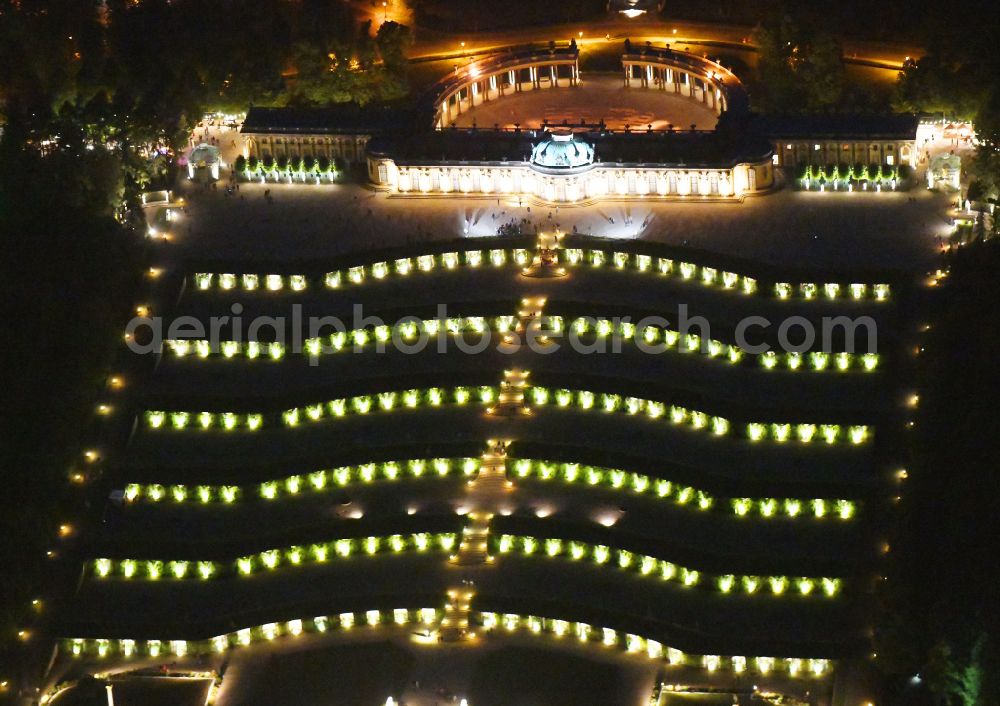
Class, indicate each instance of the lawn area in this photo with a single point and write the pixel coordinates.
(535, 677)
(344, 675)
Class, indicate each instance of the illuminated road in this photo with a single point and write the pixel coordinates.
(876, 54)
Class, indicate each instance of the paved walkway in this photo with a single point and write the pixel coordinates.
(599, 97)
(861, 230)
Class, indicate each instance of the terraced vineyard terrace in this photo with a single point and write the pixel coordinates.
(561, 455)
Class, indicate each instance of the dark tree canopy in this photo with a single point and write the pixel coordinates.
(942, 617)
(95, 101)
(798, 70)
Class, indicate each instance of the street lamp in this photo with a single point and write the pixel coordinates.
(385, 10)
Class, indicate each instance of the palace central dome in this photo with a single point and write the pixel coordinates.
(561, 151)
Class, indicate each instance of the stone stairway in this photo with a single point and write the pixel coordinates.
(473, 550)
(510, 401)
(492, 481)
(484, 493)
(545, 262)
(455, 623)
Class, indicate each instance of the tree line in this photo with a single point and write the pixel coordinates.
(96, 99)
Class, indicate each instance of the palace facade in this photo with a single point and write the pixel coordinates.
(563, 166)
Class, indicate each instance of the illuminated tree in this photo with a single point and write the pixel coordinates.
(393, 40)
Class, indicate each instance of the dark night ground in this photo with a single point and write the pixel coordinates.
(359, 675)
(138, 692)
(364, 674)
(531, 677)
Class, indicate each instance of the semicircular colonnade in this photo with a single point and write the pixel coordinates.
(498, 75)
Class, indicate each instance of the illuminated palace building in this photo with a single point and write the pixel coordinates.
(441, 151)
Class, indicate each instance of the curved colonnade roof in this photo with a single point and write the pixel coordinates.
(477, 146)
